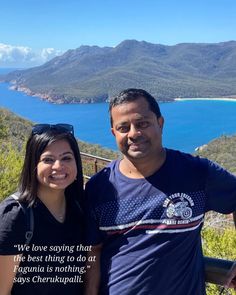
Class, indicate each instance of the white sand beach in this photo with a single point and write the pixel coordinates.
(208, 98)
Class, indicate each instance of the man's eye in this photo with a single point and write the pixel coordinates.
(123, 129)
(143, 124)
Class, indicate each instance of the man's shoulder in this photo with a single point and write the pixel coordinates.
(187, 165)
(176, 155)
(103, 175)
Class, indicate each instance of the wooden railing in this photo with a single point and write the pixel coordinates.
(92, 164)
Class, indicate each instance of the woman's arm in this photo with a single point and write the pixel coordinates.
(7, 274)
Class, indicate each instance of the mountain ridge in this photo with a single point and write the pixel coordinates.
(93, 73)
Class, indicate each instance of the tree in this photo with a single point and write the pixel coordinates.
(10, 166)
(219, 241)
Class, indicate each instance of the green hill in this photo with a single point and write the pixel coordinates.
(221, 150)
(93, 74)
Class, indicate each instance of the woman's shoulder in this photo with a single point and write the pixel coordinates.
(12, 225)
(10, 208)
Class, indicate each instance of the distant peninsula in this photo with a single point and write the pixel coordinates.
(91, 74)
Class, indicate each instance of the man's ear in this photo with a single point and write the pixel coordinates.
(112, 131)
(160, 121)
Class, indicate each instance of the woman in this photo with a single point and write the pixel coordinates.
(51, 183)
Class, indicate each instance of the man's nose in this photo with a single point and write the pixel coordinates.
(134, 132)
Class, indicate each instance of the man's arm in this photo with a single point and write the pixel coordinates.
(231, 280)
(220, 190)
(92, 277)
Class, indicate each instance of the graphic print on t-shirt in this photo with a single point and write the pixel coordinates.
(155, 213)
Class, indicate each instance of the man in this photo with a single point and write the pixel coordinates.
(145, 211)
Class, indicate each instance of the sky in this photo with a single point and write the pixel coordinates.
(34, 31)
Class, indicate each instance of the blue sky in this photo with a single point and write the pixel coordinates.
(42, 29)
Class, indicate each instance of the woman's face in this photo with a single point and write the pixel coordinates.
(56, 168)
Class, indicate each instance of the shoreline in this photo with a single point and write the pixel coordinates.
(29, 92)
(55, 99)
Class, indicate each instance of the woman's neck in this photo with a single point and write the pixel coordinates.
(55, 201)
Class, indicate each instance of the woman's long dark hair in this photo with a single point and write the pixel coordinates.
(36, 144)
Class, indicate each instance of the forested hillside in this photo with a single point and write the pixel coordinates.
(221, 150)
(93, 74)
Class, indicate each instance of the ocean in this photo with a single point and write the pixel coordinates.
(188, 124)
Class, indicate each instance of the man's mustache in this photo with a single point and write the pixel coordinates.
(139, 139)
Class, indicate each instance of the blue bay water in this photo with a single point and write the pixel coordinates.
(188, 124)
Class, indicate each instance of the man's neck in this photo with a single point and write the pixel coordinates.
(140, 168)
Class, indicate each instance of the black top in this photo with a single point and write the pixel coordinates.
(52, 263)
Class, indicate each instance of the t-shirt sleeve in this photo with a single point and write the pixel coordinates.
(220, 189)
(12, 227)
(93, 234)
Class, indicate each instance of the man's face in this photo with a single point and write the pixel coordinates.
(137, 130)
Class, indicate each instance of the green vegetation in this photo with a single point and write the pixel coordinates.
(10, 166)
(219, 237)
(12, 137)
(221, 150)
(219, 243)
(97, 150)
(93, 74)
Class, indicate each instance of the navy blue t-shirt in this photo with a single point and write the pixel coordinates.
(150, 227)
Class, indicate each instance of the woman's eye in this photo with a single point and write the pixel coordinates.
(47, 160)
(67, 159)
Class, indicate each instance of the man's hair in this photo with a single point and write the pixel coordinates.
(36, 144)
(132, 94)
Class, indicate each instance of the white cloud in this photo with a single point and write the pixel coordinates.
(22, 56)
